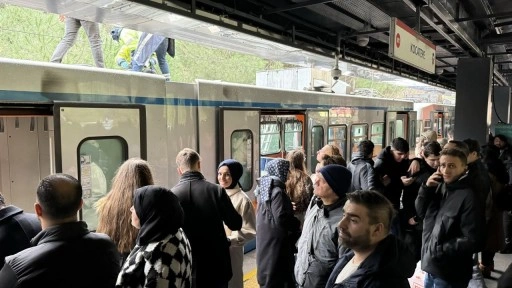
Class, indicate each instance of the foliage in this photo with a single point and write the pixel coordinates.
(384, 89)
(33, 35)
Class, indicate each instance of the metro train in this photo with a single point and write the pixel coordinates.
(71, 119)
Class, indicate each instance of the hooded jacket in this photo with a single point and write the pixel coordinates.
(451, 226)
(65, 255)
(363, 175)
(388, 266)
(386, 165)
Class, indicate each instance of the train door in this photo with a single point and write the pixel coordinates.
(240, 132)
(318, 122)
(92, 141)
(401, 124)
(26, 139)
(438, 124)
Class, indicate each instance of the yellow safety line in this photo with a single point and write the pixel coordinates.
(249, 275)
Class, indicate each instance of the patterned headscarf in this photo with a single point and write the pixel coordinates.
(278, 168)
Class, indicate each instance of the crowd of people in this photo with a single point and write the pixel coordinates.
(365, 225)
(136, 51)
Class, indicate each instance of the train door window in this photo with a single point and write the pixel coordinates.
(98, 159)
(427, 126)
(399, 129)
(392, 131)
(292, 135)
(317, 141)
(337, 135)
(412, 133)
(241, 150)
(440, 124)
(377, 137)
(270, 138)
(359, 132)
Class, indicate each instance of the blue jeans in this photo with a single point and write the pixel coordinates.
(432, 281)
(161, 52)
(148, 43)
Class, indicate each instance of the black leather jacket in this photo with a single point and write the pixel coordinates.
(66, 255)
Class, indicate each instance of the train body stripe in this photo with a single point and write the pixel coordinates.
(30, 97)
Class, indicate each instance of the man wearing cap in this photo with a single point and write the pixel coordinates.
(318, 245)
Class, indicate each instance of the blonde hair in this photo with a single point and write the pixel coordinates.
(187, 159)
(114, 216)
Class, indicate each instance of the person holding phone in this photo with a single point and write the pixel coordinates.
(450, 212)
(411, 224)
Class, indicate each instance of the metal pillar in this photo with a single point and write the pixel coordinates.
(500, 106)
(473, 99)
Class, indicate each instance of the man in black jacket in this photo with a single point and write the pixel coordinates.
(410, 222)
(361, 166)
(376, 258)
(207, 208)
(451, 223)
(16, 229)
(66, 254)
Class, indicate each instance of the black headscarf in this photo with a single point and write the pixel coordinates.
(235, 169)
(159, 212)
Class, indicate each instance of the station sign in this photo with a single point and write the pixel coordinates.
(408, 46)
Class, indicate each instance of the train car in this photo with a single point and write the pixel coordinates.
(86, 121)
(435, 117)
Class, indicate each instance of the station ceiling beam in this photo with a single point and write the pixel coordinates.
(295, 6)
(483, 17)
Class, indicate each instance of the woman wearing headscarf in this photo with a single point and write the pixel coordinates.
(278, 229)
(229, 173)
(162, 256)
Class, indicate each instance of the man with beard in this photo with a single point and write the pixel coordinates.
(376, 258)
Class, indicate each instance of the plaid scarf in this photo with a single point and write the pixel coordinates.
(163, 264)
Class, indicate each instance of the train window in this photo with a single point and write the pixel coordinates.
(412, 133)
(98, 159)
(241, 150)
(317, 142)
(427, 126)
(270, 138)
(377, 137)
(337, 135)
(399, 130)
(292, 135)
(359, 132)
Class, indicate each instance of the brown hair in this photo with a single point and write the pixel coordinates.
(298, 186)
(114, 216)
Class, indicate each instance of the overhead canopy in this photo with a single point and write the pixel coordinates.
(310, 32)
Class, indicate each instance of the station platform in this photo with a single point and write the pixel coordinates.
(501, 262)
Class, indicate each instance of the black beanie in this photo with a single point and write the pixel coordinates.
(338, 177)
